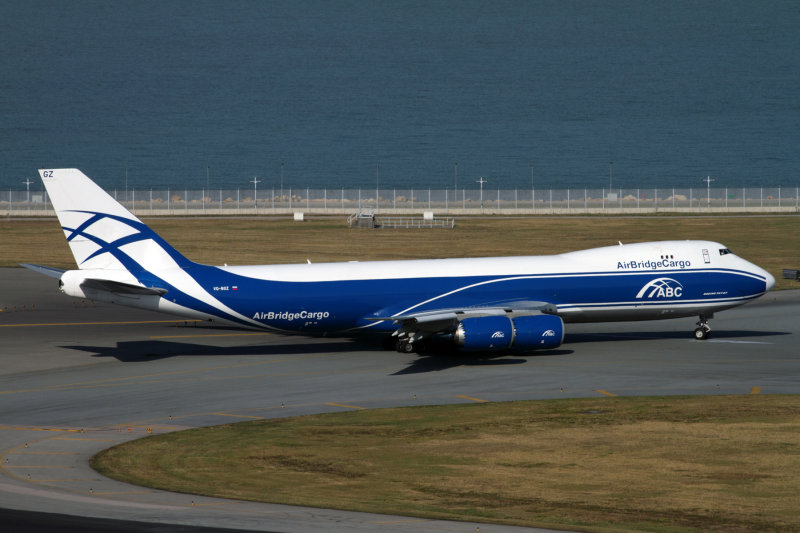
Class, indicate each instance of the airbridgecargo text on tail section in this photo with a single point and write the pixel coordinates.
(286, 315)
(653, 265)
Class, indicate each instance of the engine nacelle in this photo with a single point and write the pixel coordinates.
(494, 333)
(485, 333)
(538, 331)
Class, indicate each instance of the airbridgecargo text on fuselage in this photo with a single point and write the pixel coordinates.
(653, 265)
(289, 316)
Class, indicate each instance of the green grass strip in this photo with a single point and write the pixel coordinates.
(727, 463)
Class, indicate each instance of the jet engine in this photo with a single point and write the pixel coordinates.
(495, 333)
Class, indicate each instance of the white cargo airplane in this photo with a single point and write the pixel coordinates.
(478, 304)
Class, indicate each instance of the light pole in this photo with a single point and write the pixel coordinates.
(610, 175)
(481, 181)
(27, 183)
(281, 182)
(455, 179)
(708, 181)
(255, 181)
(377, 183)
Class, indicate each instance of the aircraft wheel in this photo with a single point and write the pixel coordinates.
(404, 347)
(701, 334)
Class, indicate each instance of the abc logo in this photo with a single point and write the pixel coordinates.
(661, 288)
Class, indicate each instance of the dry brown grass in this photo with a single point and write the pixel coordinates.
(771, 242)
(614, 464)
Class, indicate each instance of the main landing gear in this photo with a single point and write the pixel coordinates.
(404, 346)
(703, 330)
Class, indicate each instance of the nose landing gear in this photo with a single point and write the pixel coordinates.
(703, 330)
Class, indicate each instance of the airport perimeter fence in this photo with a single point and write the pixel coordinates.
(445, 201)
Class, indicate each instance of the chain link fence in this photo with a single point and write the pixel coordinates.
(334, 201)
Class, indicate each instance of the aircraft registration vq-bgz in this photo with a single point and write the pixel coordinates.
(477, 304)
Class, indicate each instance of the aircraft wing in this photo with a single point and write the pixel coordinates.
(46, 270)
(433, 318)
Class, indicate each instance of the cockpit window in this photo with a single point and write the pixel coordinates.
(724, 251)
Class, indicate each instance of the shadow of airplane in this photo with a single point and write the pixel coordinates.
(151, 350)
(437, 362)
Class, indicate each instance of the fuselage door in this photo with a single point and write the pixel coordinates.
(706, 257)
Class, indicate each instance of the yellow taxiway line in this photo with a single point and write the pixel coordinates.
(46, 324)
(345, 405)
(471, 398)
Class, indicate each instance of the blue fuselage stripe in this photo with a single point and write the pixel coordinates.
(343, 304)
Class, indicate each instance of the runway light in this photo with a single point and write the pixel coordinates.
(282, 406)
(91, 491)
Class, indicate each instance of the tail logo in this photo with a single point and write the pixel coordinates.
(661, 288)
(137, 232)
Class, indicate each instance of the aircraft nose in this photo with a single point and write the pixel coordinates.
(770, 280)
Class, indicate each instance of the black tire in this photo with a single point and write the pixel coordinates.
(701, 334)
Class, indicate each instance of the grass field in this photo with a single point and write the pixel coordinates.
(771, 242)
(714, 463)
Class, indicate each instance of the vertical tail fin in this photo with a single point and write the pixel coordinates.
(101, 233)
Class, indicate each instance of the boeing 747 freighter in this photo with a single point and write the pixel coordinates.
(477, 304)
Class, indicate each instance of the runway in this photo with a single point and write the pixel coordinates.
(76, 378)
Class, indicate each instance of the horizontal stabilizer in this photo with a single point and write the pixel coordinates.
(121, 288)
(46, 270)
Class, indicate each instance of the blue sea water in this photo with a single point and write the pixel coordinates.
(341, 91)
